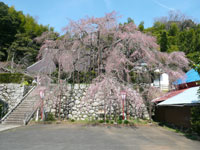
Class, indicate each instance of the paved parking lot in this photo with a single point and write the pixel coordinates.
(76, 137)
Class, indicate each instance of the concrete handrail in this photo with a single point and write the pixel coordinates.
(29, 115)
(18, 104)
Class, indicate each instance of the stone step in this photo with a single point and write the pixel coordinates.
(27, 104)
(30, 101)
(19, 113)
(14, 122)
(15, 119)
(23, 109)
(16, 115)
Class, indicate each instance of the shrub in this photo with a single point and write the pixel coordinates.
(15, 78)
(1, 109)
(119, 121)
(101, 121)
(72, 120)
(25, 83)
(50, 117)
(195, 119)
(126, 121)
(107, 121)
(120, 117)
(28, 79)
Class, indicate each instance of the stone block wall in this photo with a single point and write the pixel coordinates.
(75, 105)
(12, 93)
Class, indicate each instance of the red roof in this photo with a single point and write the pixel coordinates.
(168, 95)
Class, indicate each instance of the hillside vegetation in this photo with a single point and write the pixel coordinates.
(17, 33)
(177, 32)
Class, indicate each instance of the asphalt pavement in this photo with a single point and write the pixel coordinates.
(4, 127)
(79, 137)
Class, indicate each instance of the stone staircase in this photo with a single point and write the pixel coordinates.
(24, 110)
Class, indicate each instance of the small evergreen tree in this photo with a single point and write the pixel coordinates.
(173, 29)
(141, 26)
(164, 42)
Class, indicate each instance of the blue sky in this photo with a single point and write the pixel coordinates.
(56, 13)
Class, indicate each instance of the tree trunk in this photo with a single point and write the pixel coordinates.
(99, 51)
(110, 107)
(150, 104)
(12, 63)
(104, 110)
(73, 73)
(150, 112)
(127, 110)
(59, 72)
(78, 78)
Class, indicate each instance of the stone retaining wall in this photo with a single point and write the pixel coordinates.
(12, 93)
(74, 104)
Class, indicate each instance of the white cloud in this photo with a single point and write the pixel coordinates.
(162, 5)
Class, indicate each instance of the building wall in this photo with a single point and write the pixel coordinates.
(163, 82)
(179, 116)
(188, 85)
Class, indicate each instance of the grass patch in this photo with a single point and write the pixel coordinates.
(187, 132)
(140, 121)
(136, 122)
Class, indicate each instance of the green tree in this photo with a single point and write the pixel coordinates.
(22, 50)
(181, 34)
(130, 20)
(9, 24)
(159, 26)
(156, 30)
(173, 29)
(197, 40)
(187, 41)
(195, 119)
(141, 26)
(188, 23)
(172, 38)
(164, 42)
(17, 34)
